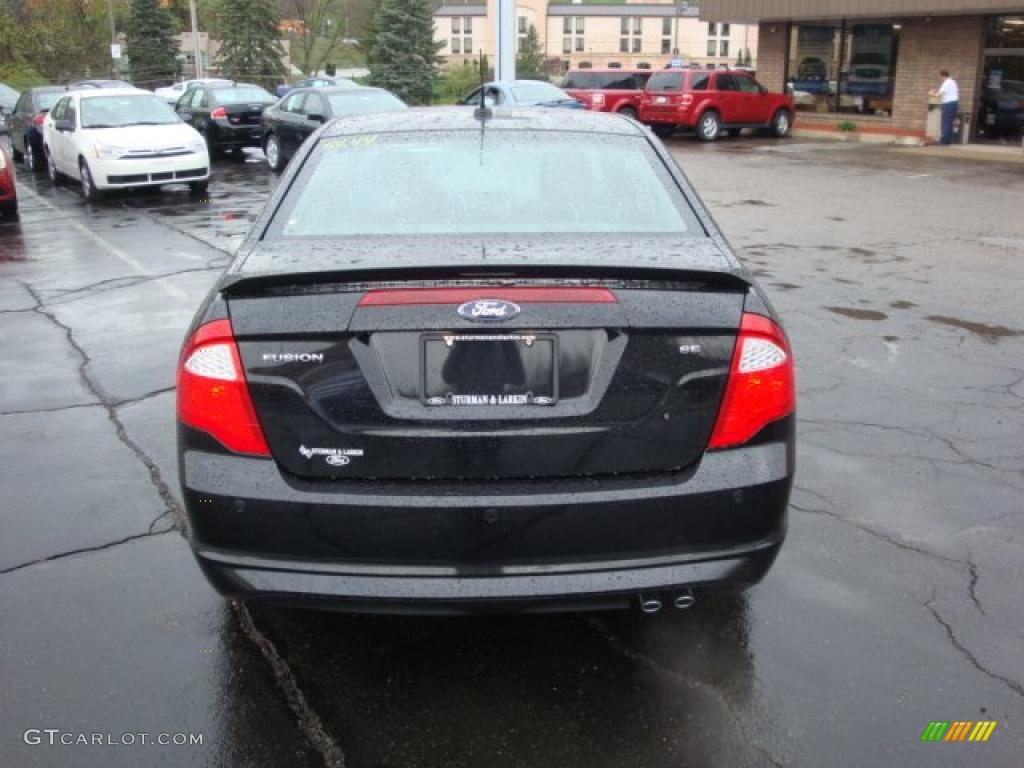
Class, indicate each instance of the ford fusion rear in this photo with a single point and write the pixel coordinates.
(475, 363)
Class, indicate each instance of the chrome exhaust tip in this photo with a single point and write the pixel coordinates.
(650, 603)
(684, 599)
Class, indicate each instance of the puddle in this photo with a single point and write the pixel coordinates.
(858, 314)
(902, 304)
(988, 332)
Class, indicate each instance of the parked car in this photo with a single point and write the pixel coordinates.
(8, 190)
(172, 93)
(92, 83)
(522, 93)
(713, 101)
(320, 81)
(294, 118)
(228, 116)
(1001, 111)
(115, 139)
(27, 124)
(608, 90)
(508, 363)
(8, 99)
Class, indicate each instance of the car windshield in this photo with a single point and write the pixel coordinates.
(241, 94)
(361, 103)
(538, 92)
(499, 182)
(47, 99)
(129, 109)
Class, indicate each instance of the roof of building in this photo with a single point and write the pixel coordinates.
(464, 119)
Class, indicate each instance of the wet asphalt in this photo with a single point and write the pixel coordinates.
(896, 600)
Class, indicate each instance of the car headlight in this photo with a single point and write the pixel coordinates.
(108, 151)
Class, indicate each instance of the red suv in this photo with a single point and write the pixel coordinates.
(608, 90)
(711, 101)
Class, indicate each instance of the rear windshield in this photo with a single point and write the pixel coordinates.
(241, 94)
(665, 81)
(605, 81)
(363, 102)
(460, 182)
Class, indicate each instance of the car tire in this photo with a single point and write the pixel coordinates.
(17, 154)
(628, 112)
(709, 126)
(89, 190)
(663, 130)
(272, 149)
(781, 123)
(198, 187)
(9, 208)
(212, 148)
(734, 132)
(56, 177)
(30, 157)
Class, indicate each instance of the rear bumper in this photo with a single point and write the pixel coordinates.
(454, 548)
(230, 135)
(685, 119)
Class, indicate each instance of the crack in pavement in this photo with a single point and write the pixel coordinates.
(708, 690)
(160, 221)
(1013, 685)
(155, 476)
(68, 295)
(84, 550)
(309, 722)
(54, 409)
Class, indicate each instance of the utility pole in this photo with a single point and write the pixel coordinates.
(113, 37)
(506, 37)
(195, 37)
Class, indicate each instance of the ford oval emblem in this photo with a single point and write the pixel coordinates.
(489, 310)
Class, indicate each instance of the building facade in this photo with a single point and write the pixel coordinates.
(867, 66)
(627, 34)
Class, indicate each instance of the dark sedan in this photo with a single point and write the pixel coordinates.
(229, 115)
(448, 371)
(27, 124)
(293, 119)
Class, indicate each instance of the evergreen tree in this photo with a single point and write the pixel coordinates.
(249, 48)
(530, 59)
(403, 56)
(152, 44)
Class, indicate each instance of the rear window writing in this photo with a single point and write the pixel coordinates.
(503, 182)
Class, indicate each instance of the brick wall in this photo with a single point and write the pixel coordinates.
(771, 55)
(953, 43)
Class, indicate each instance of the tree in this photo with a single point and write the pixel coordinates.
(403, 55)
(152, 44)
(249, 48)
(321, 32)
(530, 59)
(62, 39)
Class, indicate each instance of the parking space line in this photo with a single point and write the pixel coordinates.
(130, 261)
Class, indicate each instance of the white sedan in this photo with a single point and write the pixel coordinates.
(115, 139)
(172, 93)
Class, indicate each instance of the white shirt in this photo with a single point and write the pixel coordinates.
(948, 91)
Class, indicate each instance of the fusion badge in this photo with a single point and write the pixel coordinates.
(488, 310)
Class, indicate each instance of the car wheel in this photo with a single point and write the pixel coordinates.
(628, 112)
(211, 144)
(51, 169)
(89, 191)
(17, 154)
(9, 207)
(272, 149)
(781, 123)
(709, 126)
(734, 132)
(31, 157)
(199, 187)
(663, 130)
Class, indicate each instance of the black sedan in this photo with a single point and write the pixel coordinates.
(26, 124)
(447, 371)
(228, 114)
(293, 119)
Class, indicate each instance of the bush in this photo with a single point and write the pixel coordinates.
(456, 82)
(20, 77)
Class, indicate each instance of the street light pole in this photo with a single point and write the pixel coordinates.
(195, 37)
(113, 37)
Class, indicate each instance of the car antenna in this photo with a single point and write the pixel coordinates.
(482, 113)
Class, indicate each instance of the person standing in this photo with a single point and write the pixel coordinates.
(949, 103)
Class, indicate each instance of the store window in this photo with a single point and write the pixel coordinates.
(843, 67)
(1001, 101)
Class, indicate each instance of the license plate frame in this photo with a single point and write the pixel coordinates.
(431, 397)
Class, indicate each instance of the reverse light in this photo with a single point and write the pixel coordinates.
(213, 396)
(761, 387)
(219, 113)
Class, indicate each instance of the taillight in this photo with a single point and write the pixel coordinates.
(39, 119)
(212, 394)
(761, 387)
(219, 113)
(597, 100)
(686, 100)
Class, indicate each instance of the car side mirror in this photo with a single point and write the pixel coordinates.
(316, 118)
(65, 126)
